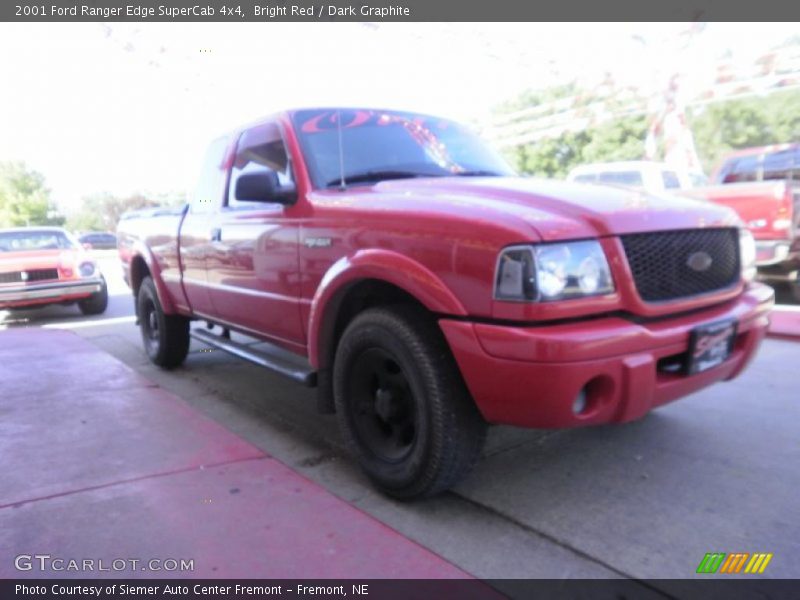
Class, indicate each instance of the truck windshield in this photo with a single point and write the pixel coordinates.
(381, 145)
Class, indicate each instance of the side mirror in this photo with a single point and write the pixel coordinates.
(86, 246)
(264, 186)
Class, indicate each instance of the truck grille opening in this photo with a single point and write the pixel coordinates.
(32, 275)
(677, 264)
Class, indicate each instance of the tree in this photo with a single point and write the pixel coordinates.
(101, 212)
(24, 199)
(622, 139)
(722, 127)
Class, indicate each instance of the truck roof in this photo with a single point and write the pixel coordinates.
(756, 150)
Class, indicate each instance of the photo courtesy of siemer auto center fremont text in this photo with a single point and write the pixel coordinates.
(427, 301)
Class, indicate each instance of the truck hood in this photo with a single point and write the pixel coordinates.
(556, 210)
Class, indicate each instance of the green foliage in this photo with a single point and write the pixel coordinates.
(722, 127)
(101, 212)
(531, 98)
(718, 128)
(622, 139)
(24, 199)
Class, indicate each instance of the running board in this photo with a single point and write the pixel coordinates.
(272, 357)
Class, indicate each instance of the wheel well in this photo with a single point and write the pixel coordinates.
(367, 293)
(139, 271)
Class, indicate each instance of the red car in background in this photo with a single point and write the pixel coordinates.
(763, 186)
(46, 265)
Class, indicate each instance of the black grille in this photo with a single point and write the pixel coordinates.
(32, 275)
(662, 263)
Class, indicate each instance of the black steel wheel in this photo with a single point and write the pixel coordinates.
(165, 337)
(402, 405)
(383, 406)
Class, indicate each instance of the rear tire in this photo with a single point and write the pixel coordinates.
(96, 303)
(402, 405)
(165, 337)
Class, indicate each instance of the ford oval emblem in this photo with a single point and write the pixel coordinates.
(699, 261)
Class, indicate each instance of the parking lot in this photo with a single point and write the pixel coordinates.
(715, 472)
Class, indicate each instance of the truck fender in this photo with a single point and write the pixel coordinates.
(376, 264)
(140, 250)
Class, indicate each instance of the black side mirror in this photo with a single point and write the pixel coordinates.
(264, 186)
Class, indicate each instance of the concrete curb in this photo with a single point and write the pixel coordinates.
(785, 323)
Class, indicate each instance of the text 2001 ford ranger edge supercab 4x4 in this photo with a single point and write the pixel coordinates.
(396, 263)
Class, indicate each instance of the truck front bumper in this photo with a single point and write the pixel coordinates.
(48, 293)
(532, 376)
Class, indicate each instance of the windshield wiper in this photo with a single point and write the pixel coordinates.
(378, 175)
(477, 173)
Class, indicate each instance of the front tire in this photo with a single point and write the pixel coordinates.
(402, 405)
(96, 303)
(165, 337)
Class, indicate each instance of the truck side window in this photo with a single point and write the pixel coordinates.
(670, 179)
(626, 178)
(745, 168)
(782, 165)
(207, 194)
(259, 149)
(588, 178)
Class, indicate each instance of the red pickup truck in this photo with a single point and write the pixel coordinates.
(396, 263)
(763, 186)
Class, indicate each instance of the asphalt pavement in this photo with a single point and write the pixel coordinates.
(715, 472)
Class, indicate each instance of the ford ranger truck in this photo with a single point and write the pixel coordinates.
(397, 264)
(763, 186)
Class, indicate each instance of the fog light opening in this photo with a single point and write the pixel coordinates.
(580, 403)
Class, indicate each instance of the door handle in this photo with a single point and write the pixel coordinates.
(216, 234)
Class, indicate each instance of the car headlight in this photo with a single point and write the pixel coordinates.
(552, 272)
(747, 254)
(87, 269)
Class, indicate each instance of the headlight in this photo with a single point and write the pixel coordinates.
(553, 272)
(87, 269)
(747, 254)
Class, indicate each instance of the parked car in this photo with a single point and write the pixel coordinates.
(652, 177)
(47, 265)
(763, 185)
(98, 240)
(396, 263)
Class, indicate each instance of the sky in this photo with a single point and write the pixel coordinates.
(127, 107)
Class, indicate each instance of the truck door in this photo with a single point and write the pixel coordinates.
(252, 266)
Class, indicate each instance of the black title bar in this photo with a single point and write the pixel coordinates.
(705, 588)
(268, 11)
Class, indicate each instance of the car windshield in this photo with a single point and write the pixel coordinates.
(380, 145)
(17, 241)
